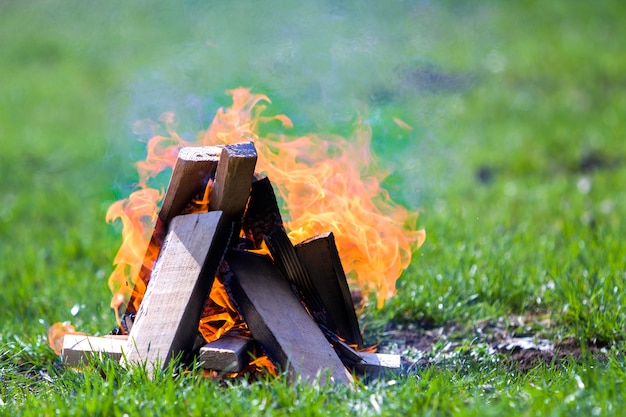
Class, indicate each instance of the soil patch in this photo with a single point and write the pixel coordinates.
(515, 340)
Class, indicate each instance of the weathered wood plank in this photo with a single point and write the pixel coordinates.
(233, 179)
(378, 365)
(369, 364)
(78, 348)
(262, 213)
(167, 320)
(289, 264)
(194, 167)
(227, 354)
(279, 322)
(320, 259)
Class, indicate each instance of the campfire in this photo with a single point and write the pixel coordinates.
(214, 275)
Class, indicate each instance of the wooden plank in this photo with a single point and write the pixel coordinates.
(278, 321)
(262, 212)
(78, 348)
(227, 354)
(167, 320)
(192, 171)
(369, 364)
(233, 179)
(286, 259)
(320, 258)
(378, 365)
(194, 167)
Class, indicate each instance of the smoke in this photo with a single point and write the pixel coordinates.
(322, 63)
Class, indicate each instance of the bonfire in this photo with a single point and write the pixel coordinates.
(323, 183)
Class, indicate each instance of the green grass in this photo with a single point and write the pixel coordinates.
(528, 94)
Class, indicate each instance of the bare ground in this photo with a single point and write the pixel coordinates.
(516, 340)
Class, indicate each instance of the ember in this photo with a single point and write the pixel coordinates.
(325, 184)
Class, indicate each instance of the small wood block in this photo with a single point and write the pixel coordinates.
(233, 179)
(320, 258)
(375, 365)
(278, 321)
(262, 213)
(167, 320)
(78, 348)
(228, 354)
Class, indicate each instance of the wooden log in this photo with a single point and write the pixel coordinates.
(262, 213)
(194, 167)
(278, 321)
(167, 320)
(233, 179)
(78, 348)
(320, 258)
(226, 354)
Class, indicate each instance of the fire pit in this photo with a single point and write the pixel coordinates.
(220, 279)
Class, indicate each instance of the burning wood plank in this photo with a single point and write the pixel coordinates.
(289, 264)
(262, 213)
(231, 167)
(194, 167)
(233, 178)
(167, 320)
(278, 321)
(320, 258)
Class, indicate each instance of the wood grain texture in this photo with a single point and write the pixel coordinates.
(78, 348)
(279, 322)
(233, 179)
(167, 320)
(227, 354)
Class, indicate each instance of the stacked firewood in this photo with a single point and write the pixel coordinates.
(295, 300)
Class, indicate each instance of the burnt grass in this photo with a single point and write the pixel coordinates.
(516, 342)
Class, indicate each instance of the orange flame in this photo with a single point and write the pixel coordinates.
(327, 184)
(57, 332)
(325, 181)
(138, 215)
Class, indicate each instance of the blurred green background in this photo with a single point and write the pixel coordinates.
(515, 158)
